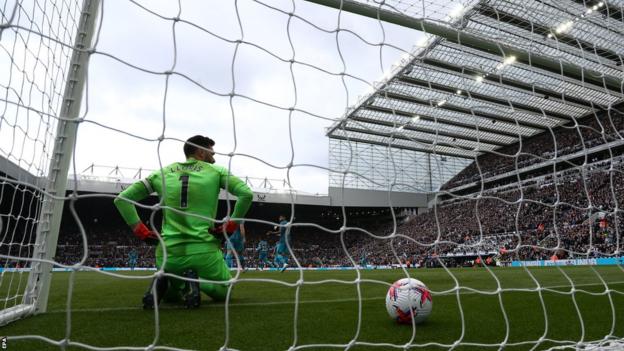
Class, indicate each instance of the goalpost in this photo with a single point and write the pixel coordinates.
(482, 76)
(51, 185)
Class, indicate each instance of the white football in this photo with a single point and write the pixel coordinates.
(407, 298)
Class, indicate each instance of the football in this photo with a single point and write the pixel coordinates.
(409, 298)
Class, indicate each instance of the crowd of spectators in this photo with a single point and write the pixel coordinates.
(589, 132)
(573, 213)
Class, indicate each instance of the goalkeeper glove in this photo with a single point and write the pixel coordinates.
(143, 233)
(229, 227)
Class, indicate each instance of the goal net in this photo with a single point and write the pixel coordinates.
(473, 144)
(42, 63)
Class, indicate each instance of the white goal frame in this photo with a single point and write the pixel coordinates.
(35, 299)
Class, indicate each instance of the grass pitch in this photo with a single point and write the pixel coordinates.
(106, 311)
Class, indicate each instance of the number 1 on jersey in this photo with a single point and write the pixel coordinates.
(184, 191)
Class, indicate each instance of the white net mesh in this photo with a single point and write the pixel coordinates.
(35, 43)
(502, 118)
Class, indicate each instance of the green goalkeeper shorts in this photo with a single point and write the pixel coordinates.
(207, 265)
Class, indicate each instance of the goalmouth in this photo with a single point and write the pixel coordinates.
(489, 76)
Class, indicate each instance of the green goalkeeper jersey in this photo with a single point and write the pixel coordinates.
(190, 195)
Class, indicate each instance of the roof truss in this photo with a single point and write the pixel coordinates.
(504, 71)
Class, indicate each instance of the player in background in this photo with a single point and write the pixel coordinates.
(132, 258)
(364, 259)
(281, 249)
(189, 196)
(263, 253)
(236, 242)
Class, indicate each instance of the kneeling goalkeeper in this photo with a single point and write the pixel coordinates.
(189, 195)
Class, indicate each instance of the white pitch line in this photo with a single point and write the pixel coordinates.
(273, 303)
(268, 303)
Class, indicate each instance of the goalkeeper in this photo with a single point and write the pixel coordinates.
(189, 195)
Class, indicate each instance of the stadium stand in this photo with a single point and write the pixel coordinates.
(565, 140)
(467, 227)
(545, 213)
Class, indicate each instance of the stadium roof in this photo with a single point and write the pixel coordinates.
(493, 71)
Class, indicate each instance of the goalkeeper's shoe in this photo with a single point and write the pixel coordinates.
(192, 297)
(284, 268)
(161, 284)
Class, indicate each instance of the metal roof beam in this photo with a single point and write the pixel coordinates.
(399, 136)
(496, 78)
(455, 48)
(577, 43)
(609, 9)
(482, 97)
(450, 107)
(459, 154)
(415, 127)
(478, 42)
(426, 117)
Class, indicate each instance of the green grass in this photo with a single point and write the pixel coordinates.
(106, 311)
